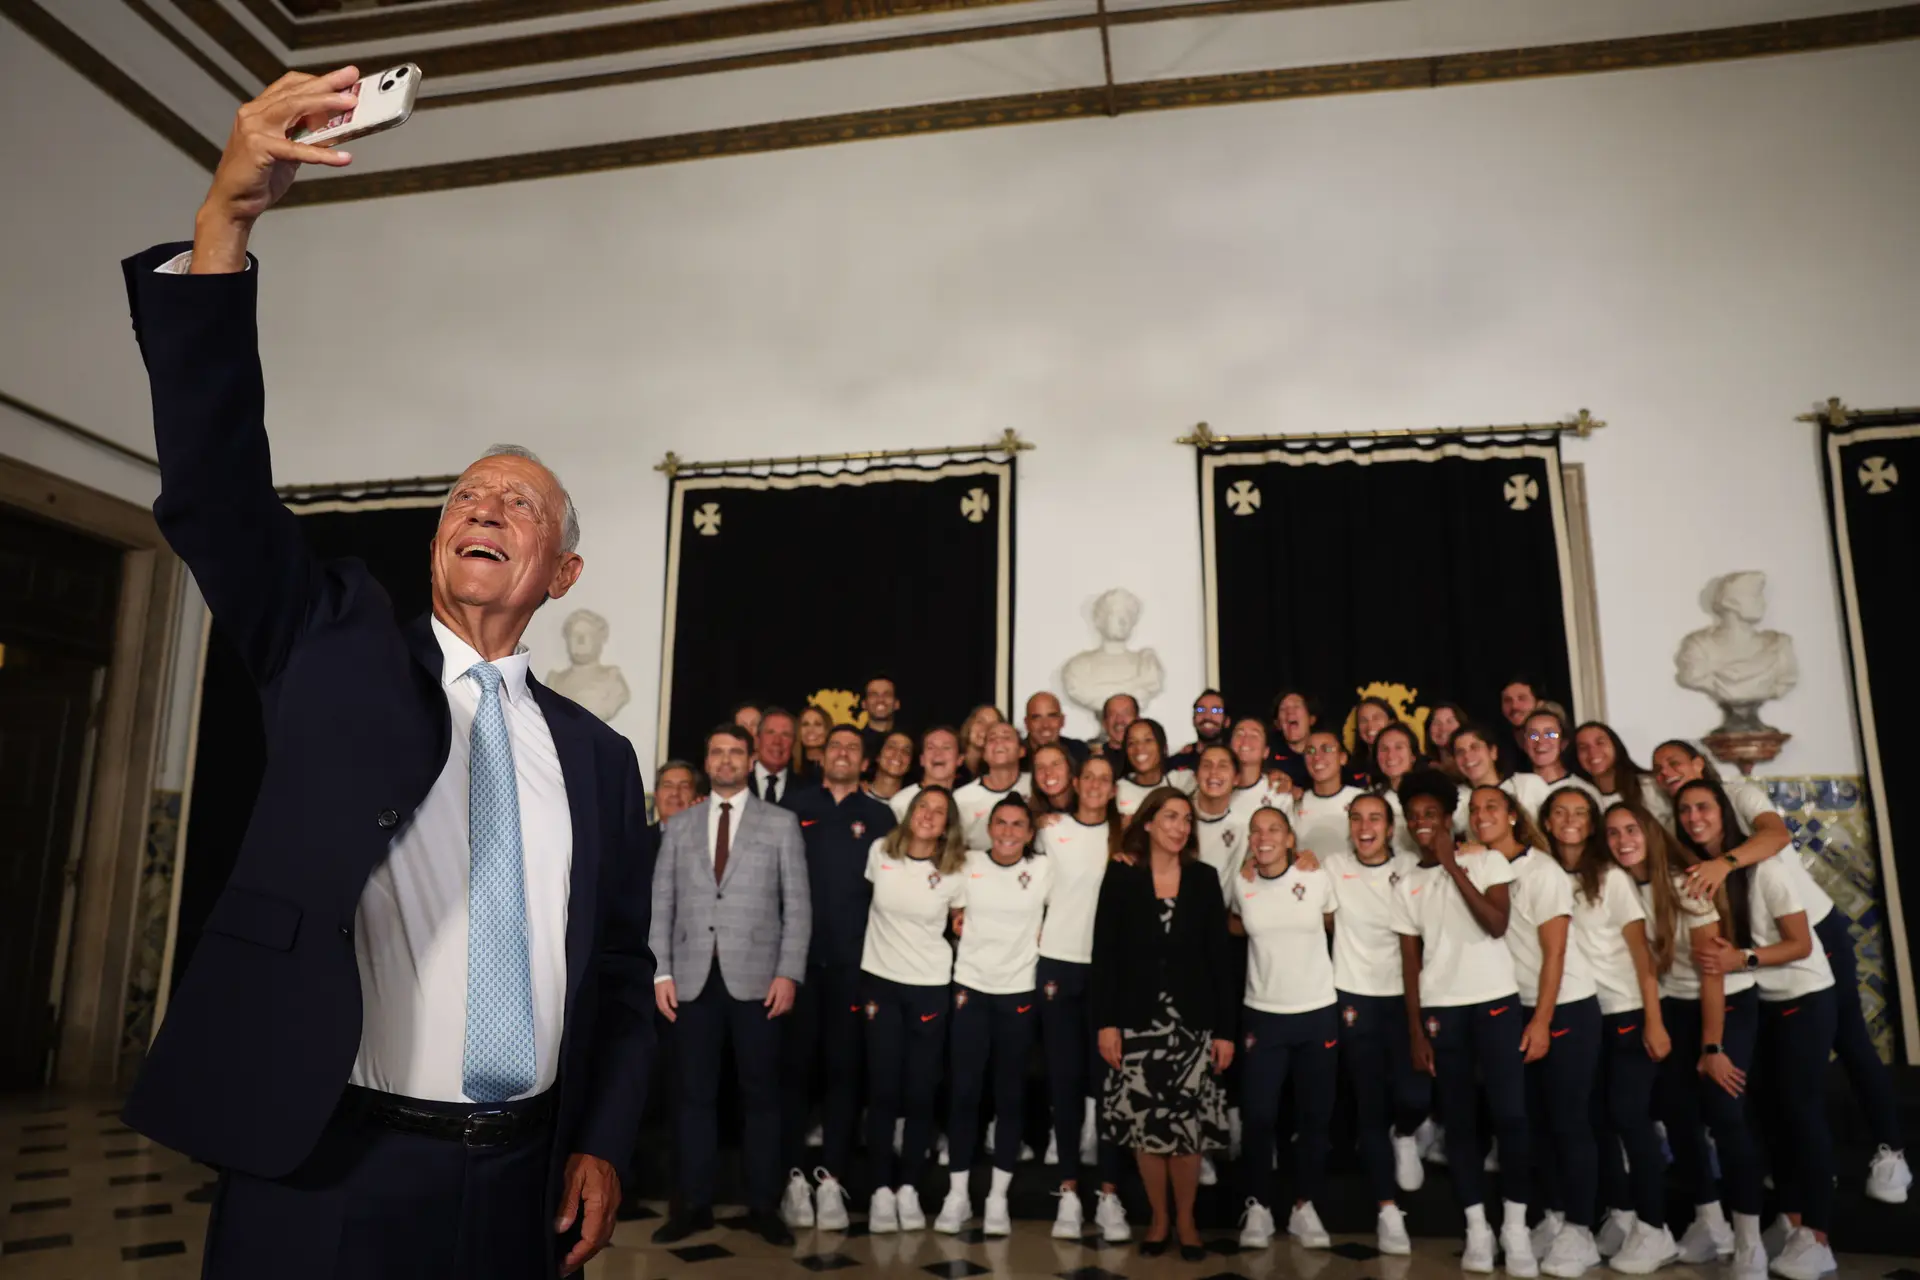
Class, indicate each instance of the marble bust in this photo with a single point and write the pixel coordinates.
(1095, 675)
(1733, 661)
(595, 685)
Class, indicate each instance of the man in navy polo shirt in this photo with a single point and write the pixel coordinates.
(839, 823)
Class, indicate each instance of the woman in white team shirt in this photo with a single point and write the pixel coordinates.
(1476, 753)
(1610, 931)
(1222, 833)
(995, 996)
(1463, 1011)
(1712, 1021)
(918, 876)
(1797, 1020)
(1319, 813)
(1078, 847)
(1052, 791)
(1253, 785)
(1396, 753)
(1676, 763)
(1288, 1028)
(1000, 777)
(1548, 743)
(1603, 760)
(1147, 766)
(1560, 1042)
(1390, 1097)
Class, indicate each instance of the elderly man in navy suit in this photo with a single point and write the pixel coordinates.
(415, 1036)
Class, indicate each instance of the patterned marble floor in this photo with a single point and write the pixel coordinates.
(86, 1198)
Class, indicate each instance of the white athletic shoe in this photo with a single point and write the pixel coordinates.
(1390, 1232)
(1749, 1260)
(1111, 1217)
(997, 1221)
(1256, 1226)
(1479, 1252)
(829, 1202)
(1517, 1252)
(1492, 1163)
(940, 1149)
(1648, 1249)
(912, 1216)
(1804, 1258)
(1408, 1173)
(883, 1213)
(954, 1212)
(1571, 1253)
(1090, 1136)
(1888, 1176)
(1026, 1153)
(796, 1204)
(1613, 1233)
(1432, 1141)
(1774, 1238)
(1208, 1174)
(816, 1136)
(1069, 1222)
(1546, 1231)
(1053, 1151)
(1304, 1225)
(1708, 1238)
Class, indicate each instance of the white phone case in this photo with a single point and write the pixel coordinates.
(385, 100)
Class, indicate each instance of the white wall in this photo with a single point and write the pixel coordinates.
(1695, 254)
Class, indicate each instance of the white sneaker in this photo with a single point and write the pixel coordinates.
(1069, 1221)
(1492, 1163)
(1390, 1232)
(1547, 1231)
(1804, 1258)
(1256, 1226)
(1774, 1238)
(883, 1213)
(1613, 1233)
(1518, 1259)
(997, 1221)
(1208, 1174)
(1304, 1225)
(1408, 1173)
(1026, 1153)
(1111, 1217)
(1648, 1249)
(1705, 1241)
(1888, 1176)
(1090, 1137)
(1571, 1253)
(954, 1212)
(829, 1202)
(1053, 1151)
(912, 1216)
(940, 1149)
(816, 1136)
(1233, 1133)
(796, 1203)
(1479, 1251)
(1432, 1141)
(1749, 1260)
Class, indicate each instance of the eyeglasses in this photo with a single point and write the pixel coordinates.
(1209, 709)
(1550, 735)
(1324, 750)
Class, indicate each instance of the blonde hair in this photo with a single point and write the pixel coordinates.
(950, 855)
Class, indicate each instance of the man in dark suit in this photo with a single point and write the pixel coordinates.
(772, 778)
(415, 1035)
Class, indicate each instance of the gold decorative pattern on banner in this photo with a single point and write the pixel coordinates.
(1398, 696)
(841, 705)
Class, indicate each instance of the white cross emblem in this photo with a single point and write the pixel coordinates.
(1877, 475)
(976, 505)
(707, 519)
(1243, 498)
(1520, 491)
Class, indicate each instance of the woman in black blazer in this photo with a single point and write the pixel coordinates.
(1165, 997)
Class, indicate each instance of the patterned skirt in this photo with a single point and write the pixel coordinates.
(1165, 1100)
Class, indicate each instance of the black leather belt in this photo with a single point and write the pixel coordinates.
(479, 1126)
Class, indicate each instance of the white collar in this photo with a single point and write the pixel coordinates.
(458, 657)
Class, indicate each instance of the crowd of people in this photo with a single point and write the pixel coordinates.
(1607, 966)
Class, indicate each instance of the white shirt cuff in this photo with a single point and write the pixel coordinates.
(660, 978)
(181, 264)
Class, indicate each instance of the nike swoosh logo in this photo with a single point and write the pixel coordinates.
(1788, 1013)
(1413, 893)
(1330, 1044)
(928, 1017)
(1620, 1031)
(1494, 1013)
(1562, 1031)
(853, 1008)
(809, 822)
(1348, 875)
(1022, 1008)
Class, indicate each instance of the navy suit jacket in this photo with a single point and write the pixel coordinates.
(261, 1033)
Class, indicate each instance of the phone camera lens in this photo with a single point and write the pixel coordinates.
(401, 74)
(386, 86)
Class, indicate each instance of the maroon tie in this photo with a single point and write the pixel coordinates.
(721, 840)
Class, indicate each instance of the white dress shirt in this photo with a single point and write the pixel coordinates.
(714, 801)
(783, 779)
(410, 930)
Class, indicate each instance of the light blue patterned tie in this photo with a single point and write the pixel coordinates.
(500, 1061)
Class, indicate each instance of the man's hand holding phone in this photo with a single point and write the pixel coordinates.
(260, 162)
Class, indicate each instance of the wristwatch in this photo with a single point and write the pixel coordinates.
(1731, 859)
(1711, 1049)
(1753, 959)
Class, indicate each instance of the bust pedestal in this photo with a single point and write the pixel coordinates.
(1744, 749)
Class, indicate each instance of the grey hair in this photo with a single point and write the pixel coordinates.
(570, 523)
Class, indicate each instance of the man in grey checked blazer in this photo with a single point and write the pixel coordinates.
(731, 921)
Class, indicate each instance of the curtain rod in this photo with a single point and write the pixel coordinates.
(1582, 424)
(1010, 442)
(363, 488)
(1836, 413)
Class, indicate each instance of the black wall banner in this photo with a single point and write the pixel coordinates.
(1417, 570)
(1873, 499)
(390, 532)
(795, 587)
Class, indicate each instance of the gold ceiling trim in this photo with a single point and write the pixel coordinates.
(1582, 424)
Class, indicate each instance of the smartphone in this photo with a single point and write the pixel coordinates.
(384, 101)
